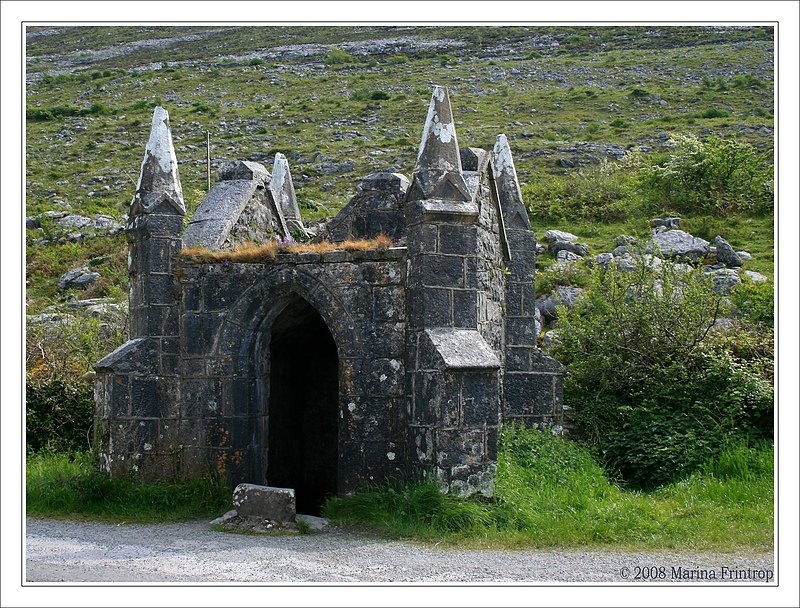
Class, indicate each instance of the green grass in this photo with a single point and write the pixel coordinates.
(71, 486)
(550, 492)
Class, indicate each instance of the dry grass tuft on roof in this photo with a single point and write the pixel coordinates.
(267, 253)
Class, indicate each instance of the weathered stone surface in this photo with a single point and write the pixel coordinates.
(552, 236)
(724, 280)
(756, 277)
(159, 172)
(274, 504)
(243, 170)
(670, 223)
(564, 295)
(579, 249)
(233, 207)
(515, 215)
(677, 244)
(726, 254)
(604, 259)
(282, 189)
(462, 348)
(78, 277)
(438, 148)
(567, 256)
(376, 209)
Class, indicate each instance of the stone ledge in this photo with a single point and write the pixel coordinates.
(462, 348)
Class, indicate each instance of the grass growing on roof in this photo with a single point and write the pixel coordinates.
(267, 253)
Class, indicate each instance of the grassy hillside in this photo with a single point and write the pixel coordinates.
(343, 101)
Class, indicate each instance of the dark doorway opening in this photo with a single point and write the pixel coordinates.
(303, 407)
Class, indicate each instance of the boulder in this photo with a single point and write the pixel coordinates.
(579, 249)
(604, 260)
(624, 239)
(567, 256)
(265, 502)
(670, 223)
(756, 277)
(78, 277)
(724, 280)
(726, 254)
(564, 295)
(551, 236)
(677, 244)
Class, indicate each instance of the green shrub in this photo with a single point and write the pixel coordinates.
(714, 113)
(718, 176)
(652, 389)
(604, 195)
(755, 301)
(58, 415)
(364, 95)
(59, 399)
(339, 56)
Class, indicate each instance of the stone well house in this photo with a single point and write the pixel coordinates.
(325, 371)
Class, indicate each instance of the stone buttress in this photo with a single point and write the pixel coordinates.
(137, 385)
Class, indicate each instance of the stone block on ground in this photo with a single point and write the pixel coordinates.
(265, 502)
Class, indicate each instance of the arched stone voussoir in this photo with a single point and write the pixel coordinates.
(258, 306)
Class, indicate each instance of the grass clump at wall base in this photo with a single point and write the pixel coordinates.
(70, 485)
(550, 492)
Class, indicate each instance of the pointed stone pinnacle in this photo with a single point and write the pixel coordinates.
(438, 149)
(282, 188)
(159, 174)
(505, 175)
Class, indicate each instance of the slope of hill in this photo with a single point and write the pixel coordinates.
(343, 101)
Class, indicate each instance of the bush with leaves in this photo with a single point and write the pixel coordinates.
(716, 176)
(59, 397)
(653, 389)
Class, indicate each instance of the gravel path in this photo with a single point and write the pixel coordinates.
(69, 551)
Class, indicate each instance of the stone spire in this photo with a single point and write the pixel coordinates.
(283, 193)
(438, 172)
(438, 149)
(515, 215)
(158, 181)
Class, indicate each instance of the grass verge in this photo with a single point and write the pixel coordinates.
(70, 486)
(550, 492)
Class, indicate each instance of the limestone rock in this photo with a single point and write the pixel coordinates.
(604, 260)
(670, 223)
(552, 236)
(724, 280)
(78, 277)
(677, 244)
(564, 295)
(579, 249)
(726, 254)
(754, 276)
(567, 256)
(265, 502)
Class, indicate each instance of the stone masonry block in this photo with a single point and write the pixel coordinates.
(458, 239)
(265, 502)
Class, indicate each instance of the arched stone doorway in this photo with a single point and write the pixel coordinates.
(303, 410)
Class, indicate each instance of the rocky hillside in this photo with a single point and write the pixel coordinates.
(342, 102)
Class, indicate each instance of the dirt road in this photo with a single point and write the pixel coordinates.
(69, 551)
